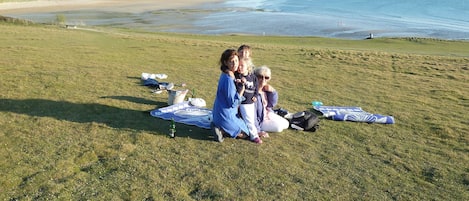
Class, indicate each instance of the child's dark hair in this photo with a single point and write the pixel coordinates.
(225, 56)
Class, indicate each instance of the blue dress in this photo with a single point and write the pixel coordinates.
(225, 107)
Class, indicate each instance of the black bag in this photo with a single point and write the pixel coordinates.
(281, 112)
(305, 120)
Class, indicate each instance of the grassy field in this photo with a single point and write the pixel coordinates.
(75, 121)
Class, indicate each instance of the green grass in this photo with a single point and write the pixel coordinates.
(75, 121)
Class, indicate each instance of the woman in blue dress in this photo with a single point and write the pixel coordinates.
(226, 120)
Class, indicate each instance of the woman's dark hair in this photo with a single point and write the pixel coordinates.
(226, 56)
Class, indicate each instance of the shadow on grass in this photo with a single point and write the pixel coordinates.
(114, 117)
(134, 100)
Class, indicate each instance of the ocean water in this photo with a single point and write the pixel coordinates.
(446, 19)
(350, 19)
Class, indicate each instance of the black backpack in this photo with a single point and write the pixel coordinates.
(305, 120)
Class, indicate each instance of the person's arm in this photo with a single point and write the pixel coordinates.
(241, 91)
(240, 86)
(238, 82)
(259, 112)
(272, 98)
(232, 98)
(235, 96)
(256, 87)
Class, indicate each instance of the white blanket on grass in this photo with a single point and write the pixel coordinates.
(339, 113)
(185, 113)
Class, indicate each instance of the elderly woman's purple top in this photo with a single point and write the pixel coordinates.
(271, 99)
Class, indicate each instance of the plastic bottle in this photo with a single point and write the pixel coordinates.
(316, 103)
(172, 129)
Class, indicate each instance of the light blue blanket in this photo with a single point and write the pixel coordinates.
(339, 113)
(185, 113)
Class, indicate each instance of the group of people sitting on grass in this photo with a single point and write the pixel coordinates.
(244, 101)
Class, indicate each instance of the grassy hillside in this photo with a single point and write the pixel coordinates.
(75, 120)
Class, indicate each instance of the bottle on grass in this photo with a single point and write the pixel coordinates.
(172, 129)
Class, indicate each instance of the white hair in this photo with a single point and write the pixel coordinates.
(262, 70)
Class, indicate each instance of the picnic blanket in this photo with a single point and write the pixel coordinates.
(356, 114)
(185, 113)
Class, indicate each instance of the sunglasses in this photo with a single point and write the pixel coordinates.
(263, 77)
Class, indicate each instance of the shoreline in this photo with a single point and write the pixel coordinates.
(137, 6)
(213, 17)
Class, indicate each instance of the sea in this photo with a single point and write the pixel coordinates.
(348, 19)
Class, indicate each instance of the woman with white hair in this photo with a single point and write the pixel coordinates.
(267, 119)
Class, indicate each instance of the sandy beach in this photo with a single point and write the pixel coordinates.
(134, 6)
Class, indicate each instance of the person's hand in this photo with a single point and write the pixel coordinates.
(254, 99)
(268, 88)
(243, 80)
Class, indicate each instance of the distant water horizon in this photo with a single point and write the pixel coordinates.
(348, 19)
(445, 19)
